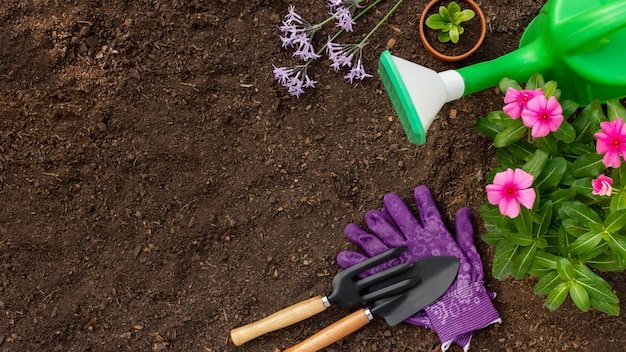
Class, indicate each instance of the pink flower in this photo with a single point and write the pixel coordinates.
(612, 142)
(542, 115)
(516, 101)
(602, 185)
(509, 190)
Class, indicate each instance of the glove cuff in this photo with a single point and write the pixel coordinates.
(461, 310)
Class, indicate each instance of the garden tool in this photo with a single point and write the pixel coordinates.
(578, 43)
(436, 278)
(348, 290)
(466, 306)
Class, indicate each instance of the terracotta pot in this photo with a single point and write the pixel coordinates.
(437, 54)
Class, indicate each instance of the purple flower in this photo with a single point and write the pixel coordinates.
(344, 55)
(338, 55)
(343, 10)
(298, 33)
(357, 72)
(294, 79)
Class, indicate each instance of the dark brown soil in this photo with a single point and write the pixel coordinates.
(159, 188)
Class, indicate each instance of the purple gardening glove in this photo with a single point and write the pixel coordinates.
(466, 306)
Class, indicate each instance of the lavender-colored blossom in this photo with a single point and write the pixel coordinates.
(343, 10)
(357, 72)
(294, 79)
(298, 33)
(338, 55)
(344, 55)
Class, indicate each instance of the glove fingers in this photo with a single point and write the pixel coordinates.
(346, 259)
(369, 243)
(465, 240)
(400, 213)
(427, 208)
(385, 230)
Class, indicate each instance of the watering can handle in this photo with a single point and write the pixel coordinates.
(589, 26)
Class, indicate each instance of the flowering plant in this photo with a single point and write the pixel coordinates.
(556, 203)
(299, 34)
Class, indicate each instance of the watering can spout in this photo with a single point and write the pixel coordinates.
(417, 92)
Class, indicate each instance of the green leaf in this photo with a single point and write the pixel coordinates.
(523, 223)
(535, 165)
(543, 264)
(552, 174)
(565, 133)
(435, 21)
(545, 214)
(548, 282)
(443, 37)
(598, 250)
(523, 261)
(615, 109)
(587, 122)
(618, 201)
(586, 242)
(557, 296)
(579, 296)
(608, 262)
(507, 83)
(493, 238)
(583, 187)
(565, 269)
(548, 144)
(549, 88)
(617, 243)
(454, 34)
(445, 13)
(569, 107)
(608, 308)
(453, 8)
(535, 81)
(503, 260)
(521, 239)
(588, 165)
(574, 228)
(487, 127)
(509, 136)
(560, 196)
(579, 149)
(615, 221)
(465, 16)
(580, 213)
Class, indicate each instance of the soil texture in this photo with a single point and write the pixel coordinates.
(159, 188)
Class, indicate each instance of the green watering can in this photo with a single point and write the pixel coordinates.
(579, 43)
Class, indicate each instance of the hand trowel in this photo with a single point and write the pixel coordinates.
(348, 290)
(436, 279)
(578, 43)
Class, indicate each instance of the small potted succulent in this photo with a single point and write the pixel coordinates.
(449, 23)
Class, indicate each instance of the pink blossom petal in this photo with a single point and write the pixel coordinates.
(509, 207)
(602, 185)
(527, 197)
(509, 189)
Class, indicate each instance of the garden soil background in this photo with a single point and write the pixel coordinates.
(158, 188)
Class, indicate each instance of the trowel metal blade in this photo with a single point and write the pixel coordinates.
(436, 277)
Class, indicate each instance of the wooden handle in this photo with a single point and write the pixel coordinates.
(332, 333)
(278, 320)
